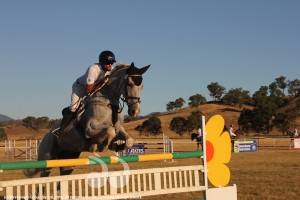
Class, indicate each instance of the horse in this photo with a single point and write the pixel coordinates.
(100, 122)
(198, 139)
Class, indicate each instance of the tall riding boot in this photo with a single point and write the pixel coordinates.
(68, 116)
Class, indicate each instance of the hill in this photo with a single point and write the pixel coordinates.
(21, 132)
(4, 118)
(229, 113)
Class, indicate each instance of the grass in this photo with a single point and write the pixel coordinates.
(263, 175)
(266, 174)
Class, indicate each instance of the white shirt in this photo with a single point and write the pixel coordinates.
(296, 133)
(199, 132)
(93, 75)
(231, 132)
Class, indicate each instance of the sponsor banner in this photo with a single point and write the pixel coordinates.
(136, 149)
(245, 146)
(297, 143)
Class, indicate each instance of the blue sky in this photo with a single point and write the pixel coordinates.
(46, 45)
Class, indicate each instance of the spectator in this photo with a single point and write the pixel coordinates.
(231, 132)
(199, 132)
(296, 134)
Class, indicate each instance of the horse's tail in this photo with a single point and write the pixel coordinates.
(30, 172)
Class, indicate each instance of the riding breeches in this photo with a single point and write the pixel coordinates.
(78, 92)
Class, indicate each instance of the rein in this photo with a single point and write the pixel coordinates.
(116, 96)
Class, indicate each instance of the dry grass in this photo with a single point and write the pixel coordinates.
(267, 175)
(260, 175)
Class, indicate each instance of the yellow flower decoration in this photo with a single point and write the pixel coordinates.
(218, 151)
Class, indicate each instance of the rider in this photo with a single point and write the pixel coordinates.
(94, 76)
(199, 132)
(231, 132)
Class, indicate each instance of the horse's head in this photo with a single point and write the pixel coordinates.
(133, 87)
(127, 80)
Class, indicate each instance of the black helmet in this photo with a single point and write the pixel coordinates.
(107, 57)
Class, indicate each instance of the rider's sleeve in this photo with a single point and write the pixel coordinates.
(92, 74)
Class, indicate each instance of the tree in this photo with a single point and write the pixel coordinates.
(179, 102)
(262, 115)
(260, 95)
(195, 120)
(263, 111)
(196, 100)
(171, 106)
(276, 94)
(294, 87)
(236, 96)
(179, 125)
(216, 90)
(245, 120)
(282, 122)
(42, 122)
(30, 121)
(151, 125)
(281, 83)
(3, 135)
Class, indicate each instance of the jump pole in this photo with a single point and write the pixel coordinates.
(98, 160)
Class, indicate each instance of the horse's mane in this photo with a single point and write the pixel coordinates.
(117, 72)
(119, 66)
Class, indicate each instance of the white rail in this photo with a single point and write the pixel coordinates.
(111, 185)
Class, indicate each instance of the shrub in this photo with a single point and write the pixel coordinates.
(3, 135)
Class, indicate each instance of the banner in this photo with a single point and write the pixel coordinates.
(297, 143)
(136, 149)
(245, 146)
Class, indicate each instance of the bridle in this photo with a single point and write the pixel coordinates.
(127, 97)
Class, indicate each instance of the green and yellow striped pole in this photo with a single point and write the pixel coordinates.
(97, 161)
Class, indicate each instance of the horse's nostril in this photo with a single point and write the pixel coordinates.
(133, 112)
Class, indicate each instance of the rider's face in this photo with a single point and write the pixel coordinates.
(108, 67)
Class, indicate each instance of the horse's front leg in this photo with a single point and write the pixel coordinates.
(111, 134)
(122, 135)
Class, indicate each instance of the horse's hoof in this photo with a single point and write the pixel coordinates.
(105, 149)
(129, 143)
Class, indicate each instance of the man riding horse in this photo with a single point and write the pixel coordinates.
(98, 121)
(85, 86)
(94, 76)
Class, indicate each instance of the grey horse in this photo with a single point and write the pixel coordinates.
(100, 122)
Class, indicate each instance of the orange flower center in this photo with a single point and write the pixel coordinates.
(209, 151)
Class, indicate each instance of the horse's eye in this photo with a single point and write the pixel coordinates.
(137, 80)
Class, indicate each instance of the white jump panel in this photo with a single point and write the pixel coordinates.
(110, 185)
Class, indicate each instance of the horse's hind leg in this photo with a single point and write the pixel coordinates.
(66, 170)
(67, 155)
(44, 173)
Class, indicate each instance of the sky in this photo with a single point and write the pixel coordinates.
(46, 45)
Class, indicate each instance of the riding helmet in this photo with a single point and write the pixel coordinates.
(107, 57)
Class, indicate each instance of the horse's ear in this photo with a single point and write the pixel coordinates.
(144, 69)
(131, 68)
